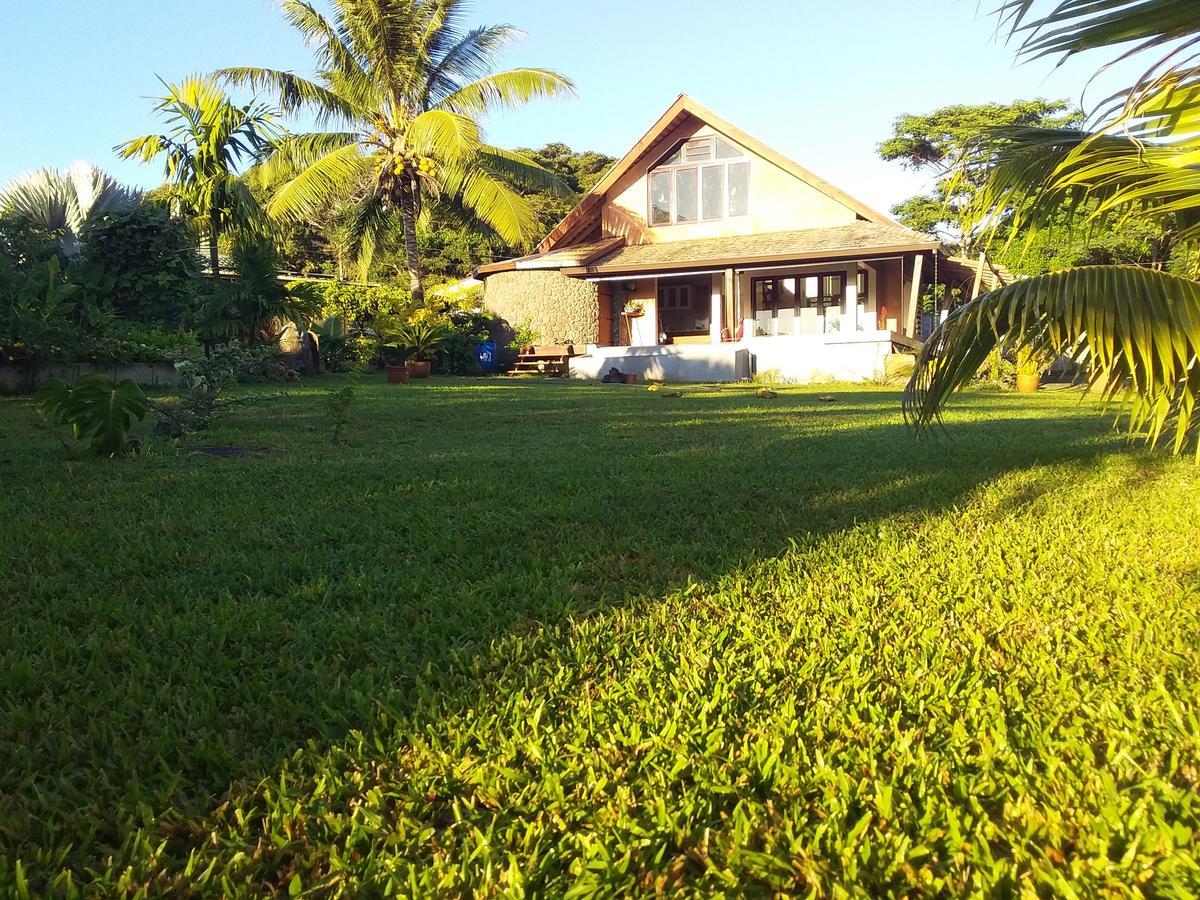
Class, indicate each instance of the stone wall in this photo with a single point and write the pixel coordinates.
(563, 310)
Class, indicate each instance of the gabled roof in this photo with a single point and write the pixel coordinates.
(683, 107)
(859, 240)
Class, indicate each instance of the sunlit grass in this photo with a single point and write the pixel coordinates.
(544, 638)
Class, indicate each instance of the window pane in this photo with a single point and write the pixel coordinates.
(685, 195)
(726, 150)
(739, 189)
(660, 198)
(710, 177)
(674, 159)
(862, 286)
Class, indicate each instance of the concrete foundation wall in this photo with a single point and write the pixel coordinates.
(15, 379)
(798, 360)
(698, 362)
(563, 310)
(815, 358)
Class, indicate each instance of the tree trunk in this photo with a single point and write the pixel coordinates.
(214, 255)
(412, 258)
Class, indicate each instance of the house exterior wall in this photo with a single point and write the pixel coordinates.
(778, 202)
(563, 310)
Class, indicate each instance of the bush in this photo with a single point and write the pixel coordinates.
(130, 343)
(358, 305)
(152, 261)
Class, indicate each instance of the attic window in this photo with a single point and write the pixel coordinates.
(707, 172)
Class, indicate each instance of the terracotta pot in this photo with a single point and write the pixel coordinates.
(1028, 384)
(631, 378)
(418, 368)
(397, 374)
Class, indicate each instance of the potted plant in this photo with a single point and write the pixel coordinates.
(1030, 366)
(635, 309)
(393, 349)
(422, 339)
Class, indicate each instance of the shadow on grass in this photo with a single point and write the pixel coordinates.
(182, 623)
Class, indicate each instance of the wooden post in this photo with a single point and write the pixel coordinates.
(914, 296)
(978, 276)
(731, 308)
(714, 309)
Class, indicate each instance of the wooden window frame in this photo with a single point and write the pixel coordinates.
(682, 292)
(670, 173)
(722, 200)
(837, 273)
(699, 166)
(675, 173)
(728, 164)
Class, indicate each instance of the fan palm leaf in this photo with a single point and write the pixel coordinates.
(62, 203)
(1134, 331)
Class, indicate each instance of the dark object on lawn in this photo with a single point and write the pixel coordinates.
(631, 378)
(613, 376)
(765, 393)
(826, 398)
(291, 375)
(397, 374)
(672, 393)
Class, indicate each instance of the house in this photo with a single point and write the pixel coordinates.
(705, 255)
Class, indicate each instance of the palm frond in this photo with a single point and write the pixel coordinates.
(367, 226)
(295, 153)
(443, 135)
(1074, 26)
(1135, 331)
(331, 178)
(521, 171)
(509, 89)
(456, 58)
(293, 93)
(494, 203)
(331, 49)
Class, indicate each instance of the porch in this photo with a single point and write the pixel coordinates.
(832, 319)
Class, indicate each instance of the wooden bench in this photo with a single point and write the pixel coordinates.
(549, 361)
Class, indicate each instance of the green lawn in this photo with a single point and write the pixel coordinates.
(558, 639)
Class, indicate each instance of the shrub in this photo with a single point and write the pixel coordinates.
(152, 260)
(360, 304)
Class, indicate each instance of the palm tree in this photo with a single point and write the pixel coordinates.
(1135, 331)
(62, 203)
(407, 85)
(208, 138)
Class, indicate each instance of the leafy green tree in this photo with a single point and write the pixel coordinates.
(579, 171)
(945, 144)
(1135, 330)
(60, 204)
(208, 138)
(408, 85)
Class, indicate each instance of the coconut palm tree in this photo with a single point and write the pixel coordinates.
(208, 138)
(407, 85)
(62, 203)
(1135, 331)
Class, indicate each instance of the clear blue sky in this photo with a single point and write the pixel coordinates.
(819, 81)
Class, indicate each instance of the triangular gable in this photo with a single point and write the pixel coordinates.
(584, 218)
